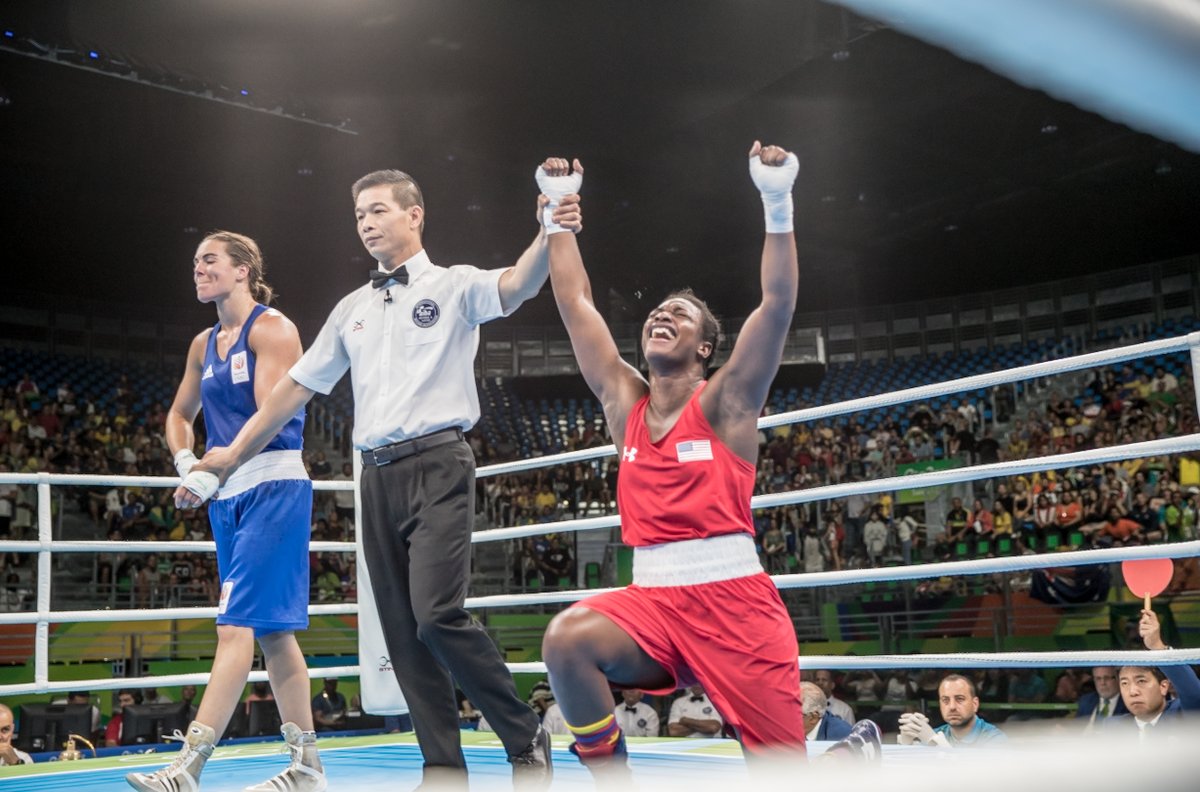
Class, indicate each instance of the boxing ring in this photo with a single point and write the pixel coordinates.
(1145, 77)
(367, 763)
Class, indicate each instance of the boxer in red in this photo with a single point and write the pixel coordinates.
(700, 610)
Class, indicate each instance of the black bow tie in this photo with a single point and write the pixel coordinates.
(697, 698)
(380, 279)
(630, 709)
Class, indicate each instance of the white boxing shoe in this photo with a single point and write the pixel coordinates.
(183, 774)
(305, 773)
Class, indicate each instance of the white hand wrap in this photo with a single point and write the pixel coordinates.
(554, 188)
(202, 484)
(915, 727)
(184, 461)
(775, 183)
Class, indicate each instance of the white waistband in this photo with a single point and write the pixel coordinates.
(267, 466)
(695, 561)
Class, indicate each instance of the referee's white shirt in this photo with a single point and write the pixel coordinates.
(641, 721)
(840, 708)
(412, 359)
(684, 707)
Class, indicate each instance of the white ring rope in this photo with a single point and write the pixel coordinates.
(533, 463)
(920, 393)
(43, 616)
(936, 478)
(151, 614)
(978, 566)
(88, 480)
(131, 546)
(1132, 61)
(1074, 659)
(978, 381)
(987, 566)
(1013, 467)
(164, 680)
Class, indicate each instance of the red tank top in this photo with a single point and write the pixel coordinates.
(688, 485)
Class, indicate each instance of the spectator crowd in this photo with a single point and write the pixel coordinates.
(1138, 501)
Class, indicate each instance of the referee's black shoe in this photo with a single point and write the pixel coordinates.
(533, 768)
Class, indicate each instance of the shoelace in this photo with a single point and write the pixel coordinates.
(184, 754)
(297, 765)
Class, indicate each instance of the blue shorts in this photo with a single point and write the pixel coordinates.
(262, 556)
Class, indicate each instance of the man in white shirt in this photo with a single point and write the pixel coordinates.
(343, 500)
(542, 701)
(154, 696)
(824, 680)
(9, 753)
(693, 715)
(635, 717)
(408, 337)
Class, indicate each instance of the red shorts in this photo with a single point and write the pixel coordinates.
(733, 637)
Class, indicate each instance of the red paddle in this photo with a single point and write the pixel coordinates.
(1147, 578)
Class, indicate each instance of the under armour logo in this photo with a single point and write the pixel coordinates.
(628, 454)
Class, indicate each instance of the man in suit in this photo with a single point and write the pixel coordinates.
(819, 723)
(1105, 702)
(1144, 690)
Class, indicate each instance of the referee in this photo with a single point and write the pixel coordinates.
(409, 337)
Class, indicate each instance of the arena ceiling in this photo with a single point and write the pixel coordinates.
(922, 175)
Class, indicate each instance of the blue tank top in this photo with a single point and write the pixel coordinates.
(227, 393)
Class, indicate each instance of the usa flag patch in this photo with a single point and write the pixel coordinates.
(693, 450)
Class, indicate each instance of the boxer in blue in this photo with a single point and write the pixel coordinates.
(259, 519)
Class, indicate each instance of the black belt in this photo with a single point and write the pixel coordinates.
(385, 455)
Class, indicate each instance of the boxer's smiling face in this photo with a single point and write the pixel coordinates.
(672, 329)
(214, 271)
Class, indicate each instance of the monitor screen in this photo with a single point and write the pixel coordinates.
(148, 723)
(45, 727)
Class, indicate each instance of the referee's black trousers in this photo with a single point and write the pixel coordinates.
(417, 519)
